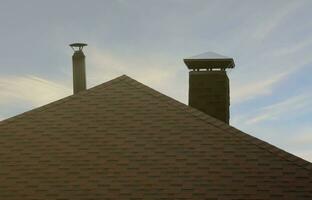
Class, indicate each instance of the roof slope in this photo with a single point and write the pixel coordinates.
(123, 140)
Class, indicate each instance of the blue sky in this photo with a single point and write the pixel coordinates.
(270, 41)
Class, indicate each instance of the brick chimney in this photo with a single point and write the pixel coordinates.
(79, 67)
(209, 89)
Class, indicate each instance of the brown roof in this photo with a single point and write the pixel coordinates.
(123, 140)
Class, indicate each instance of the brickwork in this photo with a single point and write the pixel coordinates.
(209, 92)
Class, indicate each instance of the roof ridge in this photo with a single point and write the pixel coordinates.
(61, 101)
(223, 126)
(194, 112)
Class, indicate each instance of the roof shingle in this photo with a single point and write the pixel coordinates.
(123, 140)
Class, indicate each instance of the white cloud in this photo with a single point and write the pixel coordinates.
(293, 49)
(155, 71)
(267, 70)
(105, 65)
(290, 135)
(289, 107)
(101, 66)
(304, 138)
(271, 22)
(30, 89)
(300, 142)
(244, 92)
(263, 61)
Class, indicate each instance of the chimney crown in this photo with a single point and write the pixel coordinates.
(209, 60)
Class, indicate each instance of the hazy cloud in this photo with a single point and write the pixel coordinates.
(31, 89)
(156, 72)
(293, 106)
(256, 88)
(272, 21)
(147, 40)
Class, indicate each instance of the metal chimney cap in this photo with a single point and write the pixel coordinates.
(209, 60)
(78, 46)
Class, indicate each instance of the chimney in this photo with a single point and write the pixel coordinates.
(209, 89)
(79, 67)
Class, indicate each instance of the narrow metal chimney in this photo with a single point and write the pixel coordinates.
(79, 67)
(209, 89)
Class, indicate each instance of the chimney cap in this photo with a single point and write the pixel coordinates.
(209, 60)
(78, 46)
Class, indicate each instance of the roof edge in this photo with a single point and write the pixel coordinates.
(192, 111)
(223, 126)
(60, 101)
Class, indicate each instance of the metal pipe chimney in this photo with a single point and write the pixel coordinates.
(79, 67)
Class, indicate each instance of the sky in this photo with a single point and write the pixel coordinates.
(270, 41)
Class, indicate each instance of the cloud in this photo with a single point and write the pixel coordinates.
(30, 89)
(303, 139)
(254, 89)
(289, 107)
(265, 60)
(293, 49)
(289, 133)
(300, 142)
(272, 21)
(267, 70)
(153, 70)
(104, 64)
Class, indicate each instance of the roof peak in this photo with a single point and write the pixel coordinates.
(171, 103)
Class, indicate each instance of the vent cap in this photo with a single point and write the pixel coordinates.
(209, 60)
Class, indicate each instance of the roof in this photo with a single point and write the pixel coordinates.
(124, 140)
(209, 60)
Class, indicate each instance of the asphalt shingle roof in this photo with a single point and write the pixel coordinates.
(123, 140)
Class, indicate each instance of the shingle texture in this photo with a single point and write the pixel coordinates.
(123, 140)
